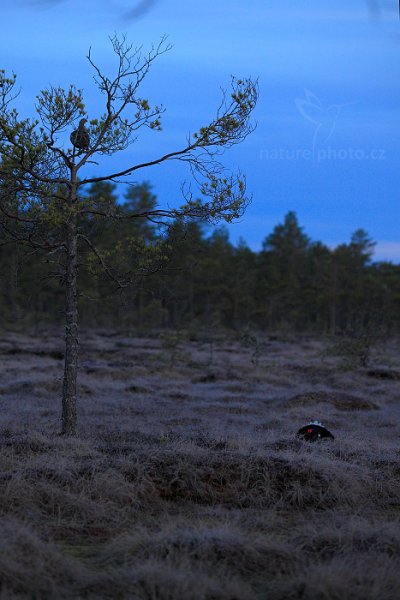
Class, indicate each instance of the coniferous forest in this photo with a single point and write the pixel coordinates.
(186, 274)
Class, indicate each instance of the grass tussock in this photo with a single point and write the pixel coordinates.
(340, 400)
(192, 485)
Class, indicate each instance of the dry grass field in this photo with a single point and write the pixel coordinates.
(187, 481)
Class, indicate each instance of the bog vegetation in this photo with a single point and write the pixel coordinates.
(188, 481)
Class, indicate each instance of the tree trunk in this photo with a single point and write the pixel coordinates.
(69, 420)
(333, 302)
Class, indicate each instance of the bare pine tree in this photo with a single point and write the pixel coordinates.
(42, 200)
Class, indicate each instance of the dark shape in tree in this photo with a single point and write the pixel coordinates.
(80, 137)
(314, 431)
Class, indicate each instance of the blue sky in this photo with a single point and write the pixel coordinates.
(327, 140)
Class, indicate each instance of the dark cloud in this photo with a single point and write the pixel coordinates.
(140, 9)
(376, 7)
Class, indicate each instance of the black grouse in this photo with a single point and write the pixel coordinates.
(314, 431)
(80, 137)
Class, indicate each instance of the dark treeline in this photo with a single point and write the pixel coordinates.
(190, 276)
